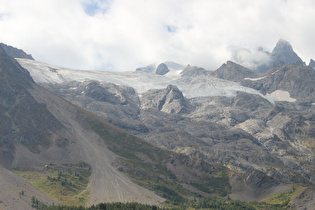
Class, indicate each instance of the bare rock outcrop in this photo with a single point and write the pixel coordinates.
(162, 69)
(169, 100)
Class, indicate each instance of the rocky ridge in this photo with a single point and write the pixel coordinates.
(234, 72)
(14, 52)
(296, 79)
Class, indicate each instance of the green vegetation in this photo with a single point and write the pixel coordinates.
(205, 203)
(108, 206)
(227, 204)
(21, 193)
(282, 200)
(171, 195)
(219, 184)
(37, 204)
(64, 183)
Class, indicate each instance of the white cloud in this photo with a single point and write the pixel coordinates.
(123, 35)
(251, 58)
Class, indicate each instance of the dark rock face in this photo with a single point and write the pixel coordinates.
(169, 100)
(23, 119)
(254, 183)
(283, 52)
(234, 72)
(108, 93)
(312, 64)
(251, 102)
(259, 180)
(162, 69)
(15, 53)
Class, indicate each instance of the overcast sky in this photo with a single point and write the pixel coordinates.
(121, 35)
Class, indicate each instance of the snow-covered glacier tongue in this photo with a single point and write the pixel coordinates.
(203, 85)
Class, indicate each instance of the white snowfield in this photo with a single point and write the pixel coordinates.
(194, 86)
(280, 95)
(255, 79)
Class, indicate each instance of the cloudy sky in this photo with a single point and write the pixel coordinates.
(121, 35)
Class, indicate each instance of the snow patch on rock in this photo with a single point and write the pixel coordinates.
(255, 79)
(280, 95)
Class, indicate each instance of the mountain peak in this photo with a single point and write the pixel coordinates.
(15, 53)
(283, 51)
(162, 69)
(12, 68)
(283, 45)
(312, 64)
(233, 71)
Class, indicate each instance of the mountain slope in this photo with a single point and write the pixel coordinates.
(42, 129)
(246, 124)
(27, 121)
(212, 119)
(230, 111)
(46, 136)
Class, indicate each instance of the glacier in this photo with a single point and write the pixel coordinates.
(196, 86)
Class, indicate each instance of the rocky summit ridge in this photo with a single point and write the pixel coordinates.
(14, 52)
(283, 52)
